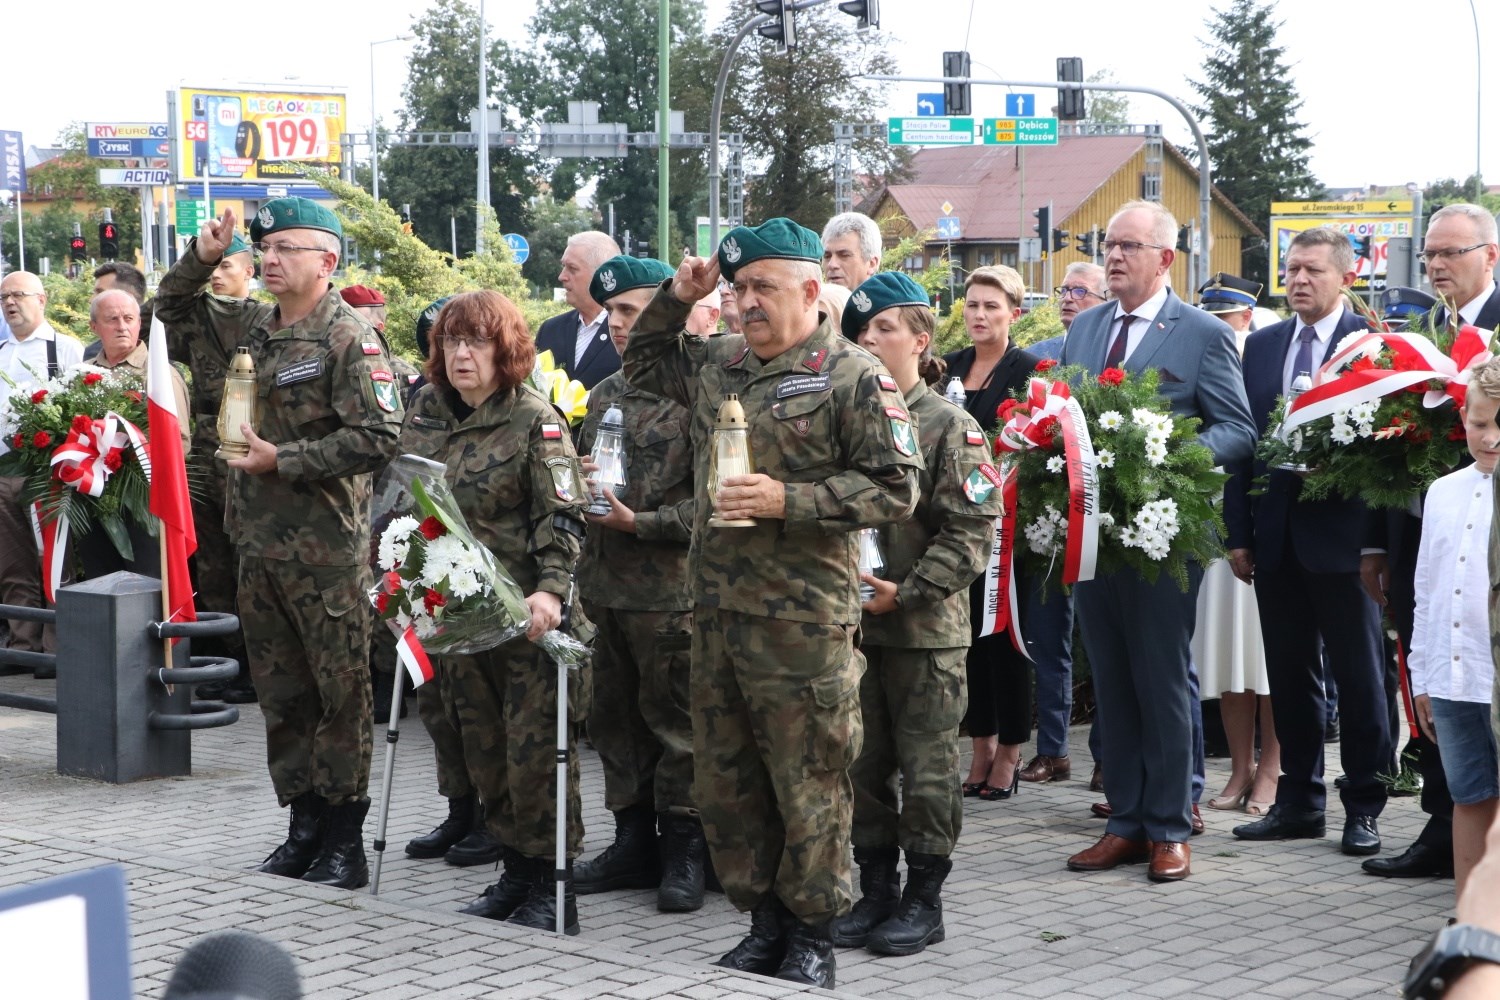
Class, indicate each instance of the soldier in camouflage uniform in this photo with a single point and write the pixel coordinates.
(299, 515)
(215, 564)
(775, 683)
(914, 635)
(633, 576)
(516, 478)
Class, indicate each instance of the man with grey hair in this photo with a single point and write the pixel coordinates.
(851, 249)
(32, 353)
(703, 321)
(1083, 287)
(579, 338)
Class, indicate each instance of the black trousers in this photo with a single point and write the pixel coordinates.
(999, 679)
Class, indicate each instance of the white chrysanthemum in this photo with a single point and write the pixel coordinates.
(1129, 536)
(1106, 519)
(395, 542)
(462, 583)
(1105, 458)
(1142, 417)
(1146, 518)
(1341, 432)
(423, 625)
(1055, 463)
(444, 555)
(1110, 420)
(1156, 454)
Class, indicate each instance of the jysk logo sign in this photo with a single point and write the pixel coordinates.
(13, 162)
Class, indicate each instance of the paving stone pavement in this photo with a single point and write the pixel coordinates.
(1294, 919)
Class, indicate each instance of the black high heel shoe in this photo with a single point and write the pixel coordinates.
(990, 793)
(974, 788)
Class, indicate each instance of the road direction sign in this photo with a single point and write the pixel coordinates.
(518, 246)
(191, 215)
(948, 228)
(1020, 104)
(1389, 206)
(930, 132)
(1020, 131)
(930, 105)
(135, 178)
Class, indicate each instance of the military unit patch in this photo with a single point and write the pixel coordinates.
(562, 477)
(815, 360)
(385, 391)
(901, 432)
(977, 487)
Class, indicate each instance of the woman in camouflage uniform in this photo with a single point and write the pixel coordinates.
(515, 475)
(915, 636)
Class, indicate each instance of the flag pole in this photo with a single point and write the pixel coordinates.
(166, 596)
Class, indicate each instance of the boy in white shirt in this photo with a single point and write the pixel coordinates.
(1452, 670)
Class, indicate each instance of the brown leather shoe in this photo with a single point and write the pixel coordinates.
(1197, 820)
(1096, 783)
(1044, 768)
(1170, 862)
(1110, 852)
(1102, 809)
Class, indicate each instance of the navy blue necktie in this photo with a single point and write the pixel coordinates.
(1304, 363)
(1116, 356)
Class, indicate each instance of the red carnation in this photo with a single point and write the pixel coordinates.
(382, 602)
(18, 442)
(113, 461)
(1046, 364)
(41, 439)
(1046, 425)
(432, 600)
(392, 582)
(1007, 408)
(1111, 376)
(1362, 364)
(431, 528)
(92, 378)
(39, 395)
(82, 424)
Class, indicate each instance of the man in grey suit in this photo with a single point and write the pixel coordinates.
(1137, 633)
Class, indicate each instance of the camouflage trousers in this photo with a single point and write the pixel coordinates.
(642, 665)
(906, 790)
(306, 630)
(504, 705)
(215, 574)
(776, 726)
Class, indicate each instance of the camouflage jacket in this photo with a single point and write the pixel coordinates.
(826, 420)
(327, 400)
(515, 476)
(646, 571)
(944, 547)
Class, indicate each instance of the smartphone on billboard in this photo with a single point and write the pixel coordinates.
(224, 115)
(200, 146)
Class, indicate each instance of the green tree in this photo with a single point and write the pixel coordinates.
(552, 222)
(1449, 191)
(1107, 107)
(1256, 145)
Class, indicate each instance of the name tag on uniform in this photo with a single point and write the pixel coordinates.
(796, 385)
(299, 372)
(433, 423)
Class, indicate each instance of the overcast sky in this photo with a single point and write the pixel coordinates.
(1386, 100)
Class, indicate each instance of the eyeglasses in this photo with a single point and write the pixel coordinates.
(473, 341)
(1128, 248)
(268, 249)
(1428, 256)
(1075, 292)
(9, 296)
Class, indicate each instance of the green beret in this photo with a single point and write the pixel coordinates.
(237, 245)
(293, 213)
(881, 291)
(621, 274)
(776, 239)
(425, 321)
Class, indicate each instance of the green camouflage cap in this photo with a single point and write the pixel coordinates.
(237, 245)
(621, 274)
(881, 291)
(775, 239)
(293, 213)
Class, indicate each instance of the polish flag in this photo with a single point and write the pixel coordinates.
(414, 658)
(169, 488)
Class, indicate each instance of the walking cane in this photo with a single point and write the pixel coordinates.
(392, 737)
(561, 858)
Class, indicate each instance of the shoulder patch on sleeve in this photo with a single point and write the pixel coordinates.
(886, 382)
(370, 348)
(973, 437)
(385, 391)
(551, 432)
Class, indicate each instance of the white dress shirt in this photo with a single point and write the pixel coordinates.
(586, 334)
(1144, 314)
(17, 356)
(1323, 330)
(1450, 642)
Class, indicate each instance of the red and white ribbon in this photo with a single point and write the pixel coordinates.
(414, 658)
(1002, 608)
(51, 541)
(1082, 552)
(82, 461)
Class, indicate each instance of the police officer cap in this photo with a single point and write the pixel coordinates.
(621, 274)
(237, 244)
(1226, 293)
(362, 295)
(425, 320)
(293, 213)
(776, 239)
(1402, 303)
(881, 291)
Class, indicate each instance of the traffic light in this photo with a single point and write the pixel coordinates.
(78, 250)
(1086, 243)
(406, 219)
(1043, 221)
(1070, 102)
(956, 95)
(1184, 238)
(868, 12)
(782, 30)
(1059, 240)
(109, 241)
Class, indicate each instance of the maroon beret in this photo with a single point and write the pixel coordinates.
(362, 295)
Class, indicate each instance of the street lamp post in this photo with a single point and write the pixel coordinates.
(374, 115)
(1478, 102)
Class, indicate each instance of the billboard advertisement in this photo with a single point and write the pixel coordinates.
(1377, 220)
(266, 136)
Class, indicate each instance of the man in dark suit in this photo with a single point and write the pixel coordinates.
(1460, 252)
(1137, 633)
(579, 338)
(1304, 559)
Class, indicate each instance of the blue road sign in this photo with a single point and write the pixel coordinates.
(1023, 105)
(948, 228)
(930, 105)
(518, 246)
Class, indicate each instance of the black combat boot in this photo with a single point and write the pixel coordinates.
(880, 885)
(918, 920)
(631, 862)
(809, 956)
(505, 896)
(303, 840)
(447, 833)
(341, 863)
(683, 852)
(762, 951)
(540, 908)
(477, 847)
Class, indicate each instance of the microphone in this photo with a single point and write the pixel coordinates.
(234, 965)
